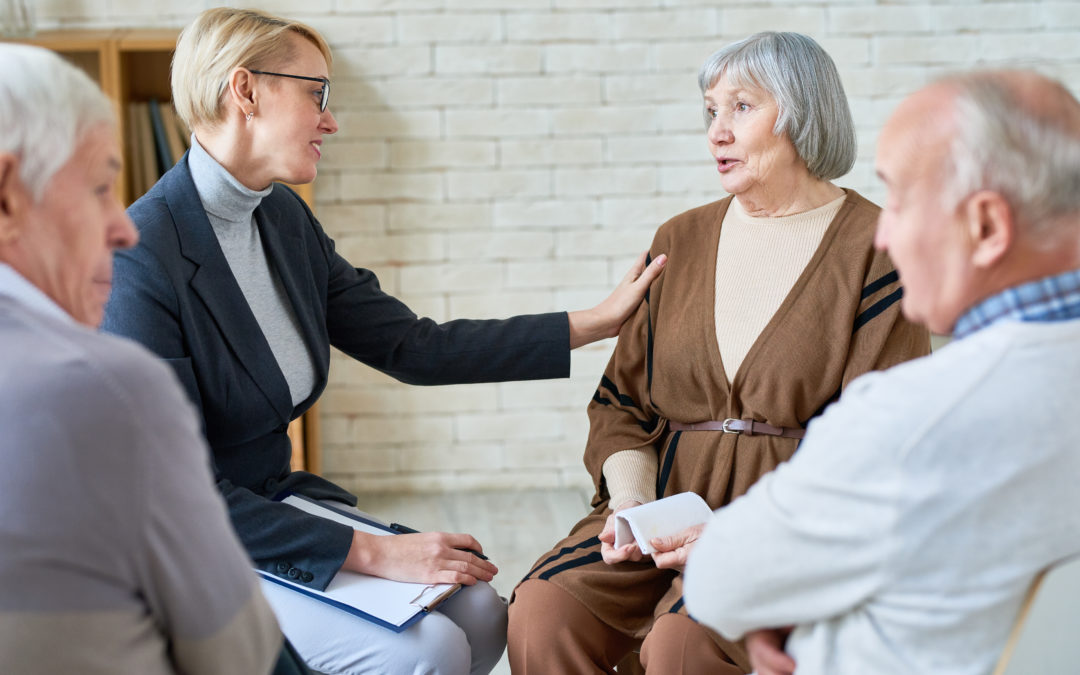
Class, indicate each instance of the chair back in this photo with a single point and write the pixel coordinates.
(1044, 638)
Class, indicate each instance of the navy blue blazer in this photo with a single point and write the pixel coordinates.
(175, 294)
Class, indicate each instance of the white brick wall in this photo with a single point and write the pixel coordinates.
(502, 156)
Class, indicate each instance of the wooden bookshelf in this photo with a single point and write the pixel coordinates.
(132, 65)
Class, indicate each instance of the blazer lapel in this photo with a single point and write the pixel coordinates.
(214, 283)
(289, 257)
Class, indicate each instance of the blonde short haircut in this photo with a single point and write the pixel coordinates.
(220, 40)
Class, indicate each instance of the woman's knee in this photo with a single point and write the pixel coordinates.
(677, 643)
(481, 614)
(341, 644)
(553, 629)
(437, 646)
(532, 614)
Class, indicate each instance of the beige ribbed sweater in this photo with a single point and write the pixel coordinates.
(758, 261)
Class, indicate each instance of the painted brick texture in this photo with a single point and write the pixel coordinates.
(505, 156)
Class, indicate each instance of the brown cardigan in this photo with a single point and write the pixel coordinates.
(840, 319)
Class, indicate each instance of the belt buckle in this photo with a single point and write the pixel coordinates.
(725, 428)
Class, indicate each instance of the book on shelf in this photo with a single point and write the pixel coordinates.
(161, 142)
(157, 139)
(134, 156)
(146, 149)
(177, 140)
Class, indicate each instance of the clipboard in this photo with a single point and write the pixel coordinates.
(395, 605)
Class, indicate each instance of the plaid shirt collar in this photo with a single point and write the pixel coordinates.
(1055, 298)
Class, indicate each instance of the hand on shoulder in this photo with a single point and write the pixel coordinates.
(605, 320)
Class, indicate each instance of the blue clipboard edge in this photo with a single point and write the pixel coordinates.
(420, 612)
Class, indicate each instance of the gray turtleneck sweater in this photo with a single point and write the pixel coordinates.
(230, 207)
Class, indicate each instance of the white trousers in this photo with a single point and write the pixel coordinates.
(467, 634)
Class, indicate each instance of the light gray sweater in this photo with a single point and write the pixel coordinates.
(230, 207)
(903, 535)
(116, 551)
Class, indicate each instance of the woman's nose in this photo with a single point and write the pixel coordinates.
(719, 131)
(329, 123)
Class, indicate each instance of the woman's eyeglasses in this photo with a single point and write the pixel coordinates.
(325, 84)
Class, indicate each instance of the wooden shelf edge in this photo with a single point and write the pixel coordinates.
(148, 39)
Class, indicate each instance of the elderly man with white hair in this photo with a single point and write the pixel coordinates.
(116, 552)
(919, 509)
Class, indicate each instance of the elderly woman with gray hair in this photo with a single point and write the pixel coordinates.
(779, 300)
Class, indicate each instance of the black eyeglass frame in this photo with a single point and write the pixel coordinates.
(325, 84)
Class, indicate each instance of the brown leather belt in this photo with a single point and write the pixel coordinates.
(734, 426)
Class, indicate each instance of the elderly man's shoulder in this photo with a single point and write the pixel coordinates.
(925, 380)
(59, 366)
(1008, 367)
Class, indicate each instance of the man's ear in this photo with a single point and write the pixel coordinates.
(991, 227)
(14, 199)
(242, 90)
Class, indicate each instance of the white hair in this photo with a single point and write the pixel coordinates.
(46, 107)
(803, 80)
(1027, 152)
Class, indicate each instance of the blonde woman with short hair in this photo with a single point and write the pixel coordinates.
(238, 287)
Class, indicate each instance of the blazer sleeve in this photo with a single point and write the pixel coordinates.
(382, 332)
(280, 539)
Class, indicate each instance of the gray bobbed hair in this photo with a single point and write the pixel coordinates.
(47, 105)
(806, 86)
(1029, 155)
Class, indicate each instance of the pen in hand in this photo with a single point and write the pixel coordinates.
(405, 529)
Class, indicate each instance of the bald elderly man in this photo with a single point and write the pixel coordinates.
(905, 532)
(116, 552)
